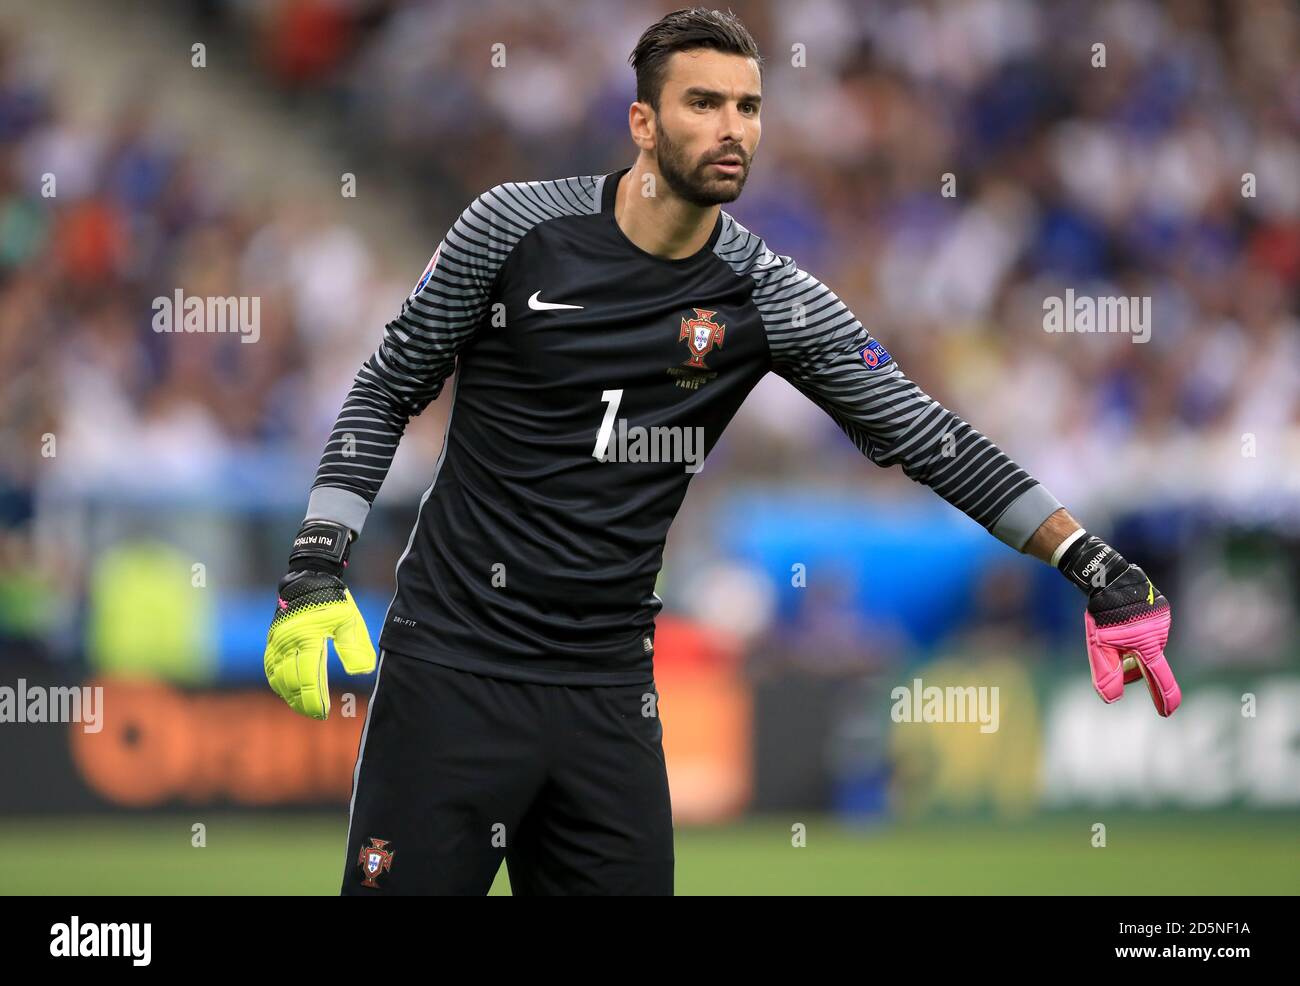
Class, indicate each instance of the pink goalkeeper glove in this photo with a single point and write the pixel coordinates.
(1127, 623)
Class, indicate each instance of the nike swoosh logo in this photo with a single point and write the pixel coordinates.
(546, 306)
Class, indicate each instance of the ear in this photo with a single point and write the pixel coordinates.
(641, 124)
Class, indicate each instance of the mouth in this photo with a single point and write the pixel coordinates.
(730, 165)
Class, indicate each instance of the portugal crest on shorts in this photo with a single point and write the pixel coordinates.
(375, 859)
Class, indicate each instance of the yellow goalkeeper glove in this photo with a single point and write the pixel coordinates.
(314, 606)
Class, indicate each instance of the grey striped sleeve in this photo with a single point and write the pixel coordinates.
(419, 347)
(817, 344)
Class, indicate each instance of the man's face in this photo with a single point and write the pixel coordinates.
(707, 127)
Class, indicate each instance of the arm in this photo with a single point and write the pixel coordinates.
(824, 351)
(1051, 534)
(407, 372)
(416, 355)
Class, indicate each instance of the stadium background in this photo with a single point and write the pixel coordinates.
(150, 483)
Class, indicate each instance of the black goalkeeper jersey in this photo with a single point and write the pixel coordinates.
(591, 378)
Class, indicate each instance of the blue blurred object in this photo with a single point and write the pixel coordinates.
(1071, 244)
(915, 565)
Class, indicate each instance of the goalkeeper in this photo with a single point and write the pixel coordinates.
(515, 713)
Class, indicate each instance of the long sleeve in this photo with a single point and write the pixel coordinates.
(824, 351)
(415, 357)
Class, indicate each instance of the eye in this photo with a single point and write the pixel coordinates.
(750, 106)
(701, 102)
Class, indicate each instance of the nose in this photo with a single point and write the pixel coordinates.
(733, 128)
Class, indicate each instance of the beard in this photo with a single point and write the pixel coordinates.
(692, 181)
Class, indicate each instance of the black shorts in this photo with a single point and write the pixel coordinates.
(457, 771)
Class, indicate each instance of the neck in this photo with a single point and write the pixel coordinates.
(663, 224)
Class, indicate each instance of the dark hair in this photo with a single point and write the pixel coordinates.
(690, 27)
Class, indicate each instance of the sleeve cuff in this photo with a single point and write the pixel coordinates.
(1025, 515)
(340, 506)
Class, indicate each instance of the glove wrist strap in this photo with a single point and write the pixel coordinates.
(321, 541)
(1064, 546)
(1091, 563)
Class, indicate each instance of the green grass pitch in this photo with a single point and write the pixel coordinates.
(288, 854)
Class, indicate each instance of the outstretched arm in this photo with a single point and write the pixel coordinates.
(825, 352)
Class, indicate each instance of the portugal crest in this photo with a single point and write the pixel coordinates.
(701, 334)
(375, 859)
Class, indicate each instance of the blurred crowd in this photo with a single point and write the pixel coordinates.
(944, 166)
(1165, 164)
